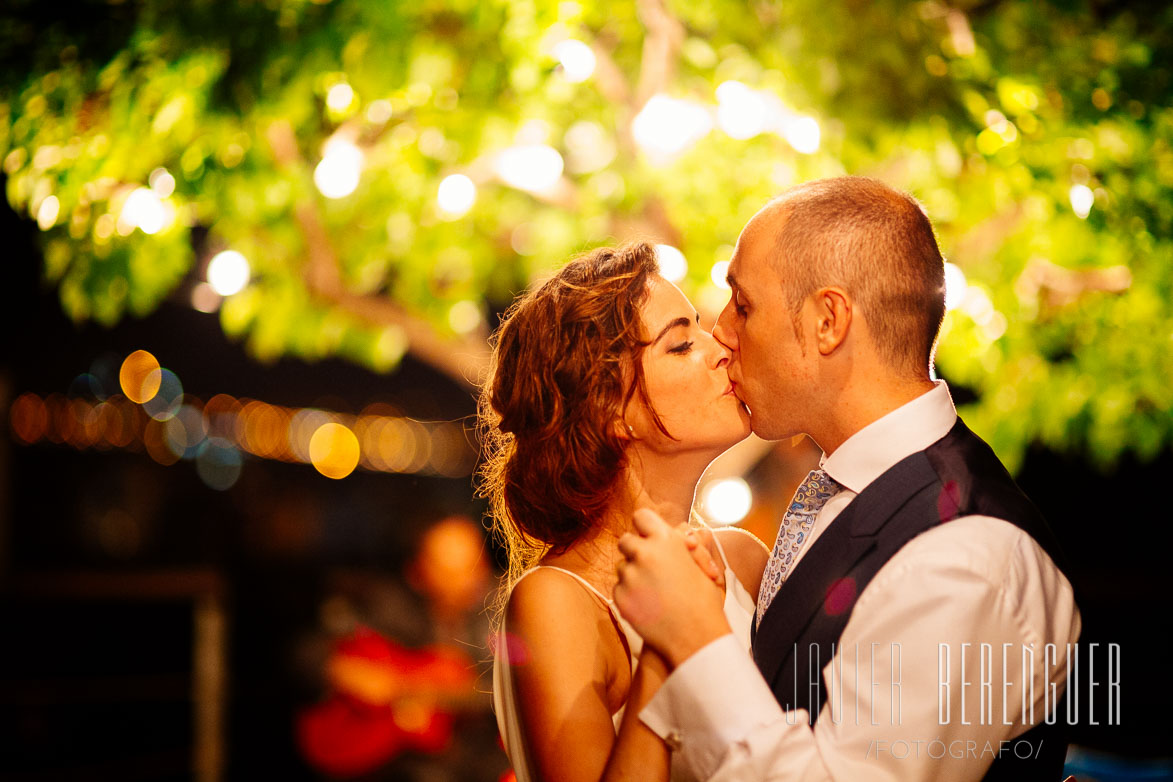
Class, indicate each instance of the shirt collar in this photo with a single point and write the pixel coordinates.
(910, 428)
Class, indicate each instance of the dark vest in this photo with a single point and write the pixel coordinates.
(956, 476)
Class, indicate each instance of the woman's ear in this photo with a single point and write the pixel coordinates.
(624, 430)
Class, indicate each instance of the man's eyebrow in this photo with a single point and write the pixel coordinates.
(678, 322)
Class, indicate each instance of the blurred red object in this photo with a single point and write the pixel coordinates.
(344, 739)
(387, 699)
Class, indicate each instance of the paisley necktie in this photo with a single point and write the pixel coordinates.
(796, 526)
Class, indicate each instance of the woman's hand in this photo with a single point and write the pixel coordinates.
(699, 541)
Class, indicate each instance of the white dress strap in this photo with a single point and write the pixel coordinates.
(739, 603)
(632, 639)
(721, 551)
(573, 575)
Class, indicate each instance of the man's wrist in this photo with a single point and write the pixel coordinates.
(688, 644)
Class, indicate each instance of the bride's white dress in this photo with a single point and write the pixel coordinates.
(739, 610)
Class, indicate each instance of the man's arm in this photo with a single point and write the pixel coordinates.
(972, 582)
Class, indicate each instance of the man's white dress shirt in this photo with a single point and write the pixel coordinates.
(928, 635)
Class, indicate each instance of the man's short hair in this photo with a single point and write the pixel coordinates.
(878, 245)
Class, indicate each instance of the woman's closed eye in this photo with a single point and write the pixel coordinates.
(682, 348)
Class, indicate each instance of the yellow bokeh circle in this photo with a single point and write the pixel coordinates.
(140, 377)
(334, 450)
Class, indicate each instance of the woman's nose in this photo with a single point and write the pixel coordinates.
(720, 354)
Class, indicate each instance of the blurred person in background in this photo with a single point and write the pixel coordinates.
(399, 665)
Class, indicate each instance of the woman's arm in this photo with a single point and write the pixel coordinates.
(569, 669)
(639, 754)
(747, 556)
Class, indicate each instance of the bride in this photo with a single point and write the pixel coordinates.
(605, 396)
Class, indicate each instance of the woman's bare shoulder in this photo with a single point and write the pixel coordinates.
(547, 602)
(747, 555)
(568, 641)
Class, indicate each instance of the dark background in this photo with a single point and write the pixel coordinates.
(94, 686)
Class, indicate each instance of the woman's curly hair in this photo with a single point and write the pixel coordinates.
(566, 362)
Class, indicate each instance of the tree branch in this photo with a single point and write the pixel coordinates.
(1056, 287)
(463, 359)
(661, 46)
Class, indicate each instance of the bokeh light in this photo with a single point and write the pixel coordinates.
(803, 134)
(576, 58)
(726, 501)
(165, 403)
(397, 445)
(719, 273)
(456, 195)
(60, 419)
(205, 298)
(464, 316)
(264, 430)
(380, 111)
(218, 463)
(302, 426)
(741, 112)
(29, 418)
(589, 147)
(672, 263)
(154, 438)
(173, 426)
(47, 213)
(334, 450)
(228, 272)
(119, 422)
(144, 210)
(666, 126)
(450, 450)
(338, 173)
(955, 286)
(339, 97)
(422, 455)
(140, 376)
(1082, 198)
(185, 431)
(161, 182)
(535, 168)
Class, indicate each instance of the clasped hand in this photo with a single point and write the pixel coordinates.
(669, 588)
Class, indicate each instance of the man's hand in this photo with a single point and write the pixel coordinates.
(669, 600)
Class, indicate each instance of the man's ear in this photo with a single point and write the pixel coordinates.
(833, 315)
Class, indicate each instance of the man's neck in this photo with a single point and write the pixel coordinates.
(863, 404)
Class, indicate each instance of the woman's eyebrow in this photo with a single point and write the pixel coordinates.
(678, 322)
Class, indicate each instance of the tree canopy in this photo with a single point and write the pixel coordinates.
(393, 173)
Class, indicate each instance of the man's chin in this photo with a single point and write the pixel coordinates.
(763, 429)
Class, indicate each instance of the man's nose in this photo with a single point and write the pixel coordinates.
(718, 354)
(723, 329)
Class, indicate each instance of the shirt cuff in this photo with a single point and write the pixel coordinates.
(712, 700)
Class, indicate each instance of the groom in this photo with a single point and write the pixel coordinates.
(913, 621)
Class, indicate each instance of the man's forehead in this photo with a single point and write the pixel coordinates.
(755, 246)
